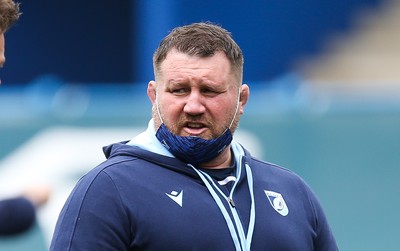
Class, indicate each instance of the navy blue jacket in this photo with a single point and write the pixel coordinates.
(139, 200)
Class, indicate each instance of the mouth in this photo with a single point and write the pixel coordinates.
(194, 128)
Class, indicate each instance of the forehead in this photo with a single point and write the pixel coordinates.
(178, 63)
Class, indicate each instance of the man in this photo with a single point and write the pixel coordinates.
(17, 214)
(184, 184)
(9, 14)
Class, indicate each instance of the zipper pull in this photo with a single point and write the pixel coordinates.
(231, 202)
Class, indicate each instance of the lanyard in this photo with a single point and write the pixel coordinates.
(242, 242)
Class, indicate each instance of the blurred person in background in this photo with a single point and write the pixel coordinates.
(17, 214)
(184, 183)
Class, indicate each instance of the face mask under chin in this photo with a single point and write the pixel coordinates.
(191, 149)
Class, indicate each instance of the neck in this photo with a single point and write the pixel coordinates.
(221, 161)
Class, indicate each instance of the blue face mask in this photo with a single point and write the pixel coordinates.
(191, 149)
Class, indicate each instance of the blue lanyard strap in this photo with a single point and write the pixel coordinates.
(242, 242)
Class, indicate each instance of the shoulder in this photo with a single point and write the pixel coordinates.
(264, 168)
(278, 178)
(110, 166)
(99, 179)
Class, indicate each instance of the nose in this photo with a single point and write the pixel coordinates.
(194, 104)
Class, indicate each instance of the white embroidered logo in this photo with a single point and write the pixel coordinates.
(177, 197)
(277, 202)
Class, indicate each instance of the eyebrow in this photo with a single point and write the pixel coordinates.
(176, 82)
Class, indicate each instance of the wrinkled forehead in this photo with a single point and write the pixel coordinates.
(216, 61)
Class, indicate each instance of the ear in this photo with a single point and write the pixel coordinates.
(244, 97)
(152, 91)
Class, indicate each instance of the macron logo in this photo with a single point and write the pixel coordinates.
(175, 196)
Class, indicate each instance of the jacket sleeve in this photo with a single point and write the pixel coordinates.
(16, 215)
(93, 217)
(325, 240)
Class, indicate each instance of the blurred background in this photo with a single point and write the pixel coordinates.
(325, 98)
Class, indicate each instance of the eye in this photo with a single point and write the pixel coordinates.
(179, 91)
(210, 92)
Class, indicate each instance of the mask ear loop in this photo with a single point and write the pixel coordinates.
(158, 110)
(236, 110)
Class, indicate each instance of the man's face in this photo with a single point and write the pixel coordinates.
(197, 96)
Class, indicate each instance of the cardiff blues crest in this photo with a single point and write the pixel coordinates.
(277, 202)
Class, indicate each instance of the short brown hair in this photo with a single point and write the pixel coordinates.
(9, 14)
(200, 39)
